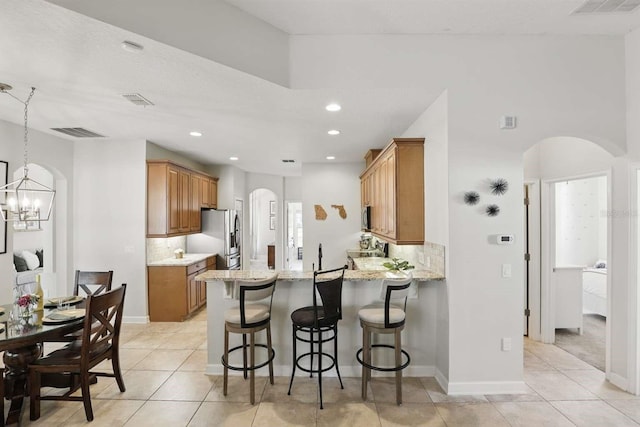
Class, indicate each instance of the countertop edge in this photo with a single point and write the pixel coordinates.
(189, 259)
(292, 276)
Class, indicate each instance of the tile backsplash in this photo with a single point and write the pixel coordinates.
(160, 248)
(433, 255)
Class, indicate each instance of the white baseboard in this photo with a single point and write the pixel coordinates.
(345, 371)
(619, 381)
(442, 380)
(135, 319)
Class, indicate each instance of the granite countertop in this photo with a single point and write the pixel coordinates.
(352, 275)
(186, 260)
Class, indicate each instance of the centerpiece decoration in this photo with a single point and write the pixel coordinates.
(398, 267)
(27, 305)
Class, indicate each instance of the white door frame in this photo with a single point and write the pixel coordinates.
(547, 261)
(534, 259)
(633, 332)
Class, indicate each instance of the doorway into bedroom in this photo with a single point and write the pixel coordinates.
(579, 275)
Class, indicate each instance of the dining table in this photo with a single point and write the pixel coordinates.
(21, 341)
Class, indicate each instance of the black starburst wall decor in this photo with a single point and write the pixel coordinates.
(492, 210)
(499, 186)
(471, 198)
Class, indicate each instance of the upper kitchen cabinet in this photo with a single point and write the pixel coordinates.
(175, 197)
(393, 185)
(209, 193)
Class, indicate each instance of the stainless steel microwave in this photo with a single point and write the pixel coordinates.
(366, 218)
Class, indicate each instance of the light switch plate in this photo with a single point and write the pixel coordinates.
(421, 257)
(506, 270)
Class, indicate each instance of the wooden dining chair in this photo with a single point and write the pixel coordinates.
(99, 341)
(92, 282)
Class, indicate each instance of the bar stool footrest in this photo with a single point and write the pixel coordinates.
(379, 368)
(316, 370)
(248, 368)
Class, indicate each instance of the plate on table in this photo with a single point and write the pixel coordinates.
(53, 302)
(62, 316)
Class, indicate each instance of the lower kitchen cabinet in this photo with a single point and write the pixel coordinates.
(174, 294)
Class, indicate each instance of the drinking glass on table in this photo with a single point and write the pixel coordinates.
(63, 304)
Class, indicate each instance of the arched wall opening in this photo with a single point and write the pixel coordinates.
(263, 224)
(568, 184)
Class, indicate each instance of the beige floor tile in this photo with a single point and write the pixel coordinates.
(532, 414)
(409, 414)
(238, 390)
(352, 392)
(164, 414)
(557, 357)
(166, 327)
(107, 413)
(557, 386)
(147, 340)
(384, 390)
(51, 413)
(183, 340)
(595, 382)
(630, 408)
(191, 386)
(290, 414)
(163, 360)
(593, 413)
(534, 363)
(304, 390)
(471, 414)
(129, 357)
(529, 396)
(352, 414)
(224, 414)
(197, 361)
(140, 385)
(436, 394)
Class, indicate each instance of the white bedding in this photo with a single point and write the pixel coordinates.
(594, 291)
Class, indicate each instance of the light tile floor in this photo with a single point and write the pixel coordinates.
(164, 367)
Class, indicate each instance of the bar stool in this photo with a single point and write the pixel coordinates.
(316, 320)
(249, 319)
(385, 318)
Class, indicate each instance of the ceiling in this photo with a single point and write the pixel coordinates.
(81, 71)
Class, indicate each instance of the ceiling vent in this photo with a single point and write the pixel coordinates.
(288, 161)
(606, 6)
(78, 132)
(137, 99)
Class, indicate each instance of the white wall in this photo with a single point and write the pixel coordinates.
(329, 184)
(110, 216)
(433, 126)
(580, 212)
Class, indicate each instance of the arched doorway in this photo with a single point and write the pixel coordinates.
(568, 187)
(49, 236)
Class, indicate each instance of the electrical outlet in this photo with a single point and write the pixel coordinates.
(506, 270)
(506, 344)
(421, 257)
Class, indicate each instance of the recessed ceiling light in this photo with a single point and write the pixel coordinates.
(333, 107)
(331, 157)
(233, 158)
(132, 47)
(334, 132)
(195, 133)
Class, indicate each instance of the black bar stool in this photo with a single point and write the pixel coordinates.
(385, 318)
(249, 319)
(316, 320)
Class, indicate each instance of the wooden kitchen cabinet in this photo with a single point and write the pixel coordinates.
(173, 292)
(175, 196)
(393, 185)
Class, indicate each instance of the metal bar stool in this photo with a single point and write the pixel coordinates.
(316, 320)
(385, 318)
(249, 319)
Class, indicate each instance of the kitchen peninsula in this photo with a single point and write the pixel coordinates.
(294, 290)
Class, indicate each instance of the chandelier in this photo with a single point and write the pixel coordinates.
(25, 201)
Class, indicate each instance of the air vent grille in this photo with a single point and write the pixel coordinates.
(137, 99)
(607, 6)
(78, 132)
(288, 161)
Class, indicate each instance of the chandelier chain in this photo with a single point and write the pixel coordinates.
(26, 129)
